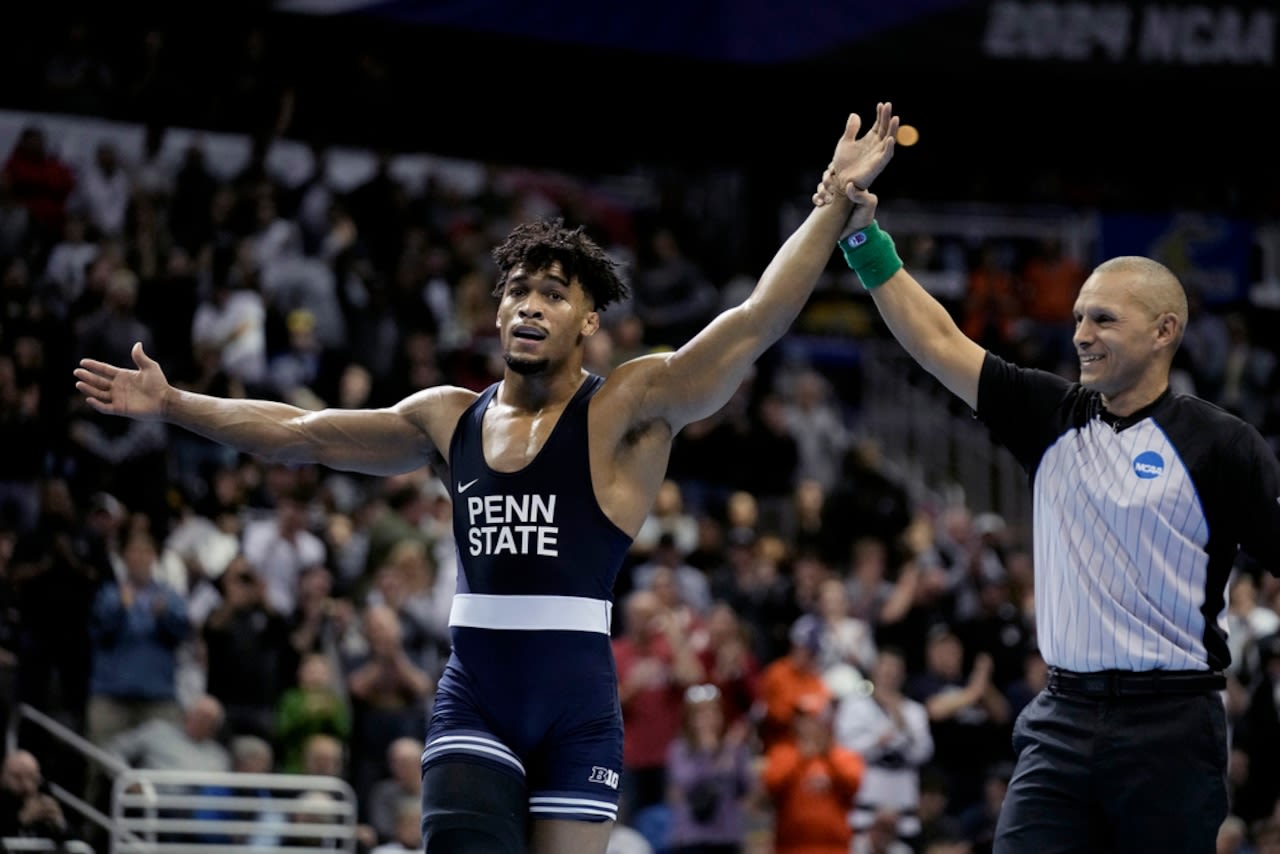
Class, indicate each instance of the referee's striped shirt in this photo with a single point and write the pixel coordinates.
(1137, 520)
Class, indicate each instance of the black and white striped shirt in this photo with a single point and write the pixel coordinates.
(1137, 520)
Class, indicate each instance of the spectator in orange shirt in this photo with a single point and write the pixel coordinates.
(991, 304)
(1050, 279)
(785, 680)
(812, 783)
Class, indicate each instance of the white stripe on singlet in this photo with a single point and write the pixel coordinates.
(579, 806)
(489, 748)
(1120, 561)
(531, 613)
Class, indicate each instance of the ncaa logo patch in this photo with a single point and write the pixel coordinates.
(603, 776)
(1148, 464)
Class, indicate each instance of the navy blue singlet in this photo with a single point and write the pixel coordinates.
(531, 686)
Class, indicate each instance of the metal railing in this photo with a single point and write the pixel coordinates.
(193, 812)
(937, 449)
(166, 812)
(109, 763)
(26, 843)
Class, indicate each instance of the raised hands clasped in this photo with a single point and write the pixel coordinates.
(858, 160)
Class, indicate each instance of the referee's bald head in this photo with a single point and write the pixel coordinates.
(1152, 285)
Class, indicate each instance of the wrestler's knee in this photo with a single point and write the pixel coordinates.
(471, 808)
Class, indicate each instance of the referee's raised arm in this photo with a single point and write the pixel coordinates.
(920, 323)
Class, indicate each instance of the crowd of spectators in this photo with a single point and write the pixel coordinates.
(810, 657)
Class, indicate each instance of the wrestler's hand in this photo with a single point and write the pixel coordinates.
(136, 394)
(859, 160)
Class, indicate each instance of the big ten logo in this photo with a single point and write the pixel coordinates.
(604, 776)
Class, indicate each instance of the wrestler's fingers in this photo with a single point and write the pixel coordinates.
(92, 394)
(860, 196)
(852, 125)
(886, 121)
(97, 367)
(91, 380)
(103, 406)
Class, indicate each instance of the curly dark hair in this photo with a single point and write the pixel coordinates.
(536, 245)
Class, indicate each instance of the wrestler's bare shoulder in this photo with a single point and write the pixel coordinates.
(436, 410)
(625, 404)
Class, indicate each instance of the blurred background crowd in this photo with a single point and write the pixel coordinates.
(794, 608)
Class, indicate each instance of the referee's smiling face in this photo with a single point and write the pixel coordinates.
(1117, 337)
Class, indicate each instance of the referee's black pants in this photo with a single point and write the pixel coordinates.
(1122, 774)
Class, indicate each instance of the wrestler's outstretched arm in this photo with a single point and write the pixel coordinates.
(386, 441)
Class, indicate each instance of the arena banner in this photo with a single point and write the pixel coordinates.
(1208, 253)
(1149, 33)
(706, 30)
(1083, 33)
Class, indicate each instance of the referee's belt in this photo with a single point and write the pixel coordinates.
(1129, 683)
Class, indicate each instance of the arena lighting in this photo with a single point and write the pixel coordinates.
(907, 135)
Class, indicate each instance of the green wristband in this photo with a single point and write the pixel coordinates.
(871, 254)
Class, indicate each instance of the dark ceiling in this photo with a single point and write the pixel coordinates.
(1092, 132)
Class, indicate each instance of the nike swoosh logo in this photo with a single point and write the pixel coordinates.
(463, 487)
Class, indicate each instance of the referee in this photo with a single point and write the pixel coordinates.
(1142, 499)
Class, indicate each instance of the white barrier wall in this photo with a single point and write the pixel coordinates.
(75, 138)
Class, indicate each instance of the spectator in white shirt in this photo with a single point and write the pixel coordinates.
(67, 267)
(846, 640)
(161, 745)
(232, 323)
(281, 547)
(891, 733)
(104, 190)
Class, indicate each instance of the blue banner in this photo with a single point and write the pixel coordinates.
(745, 31)
(1208, 253)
